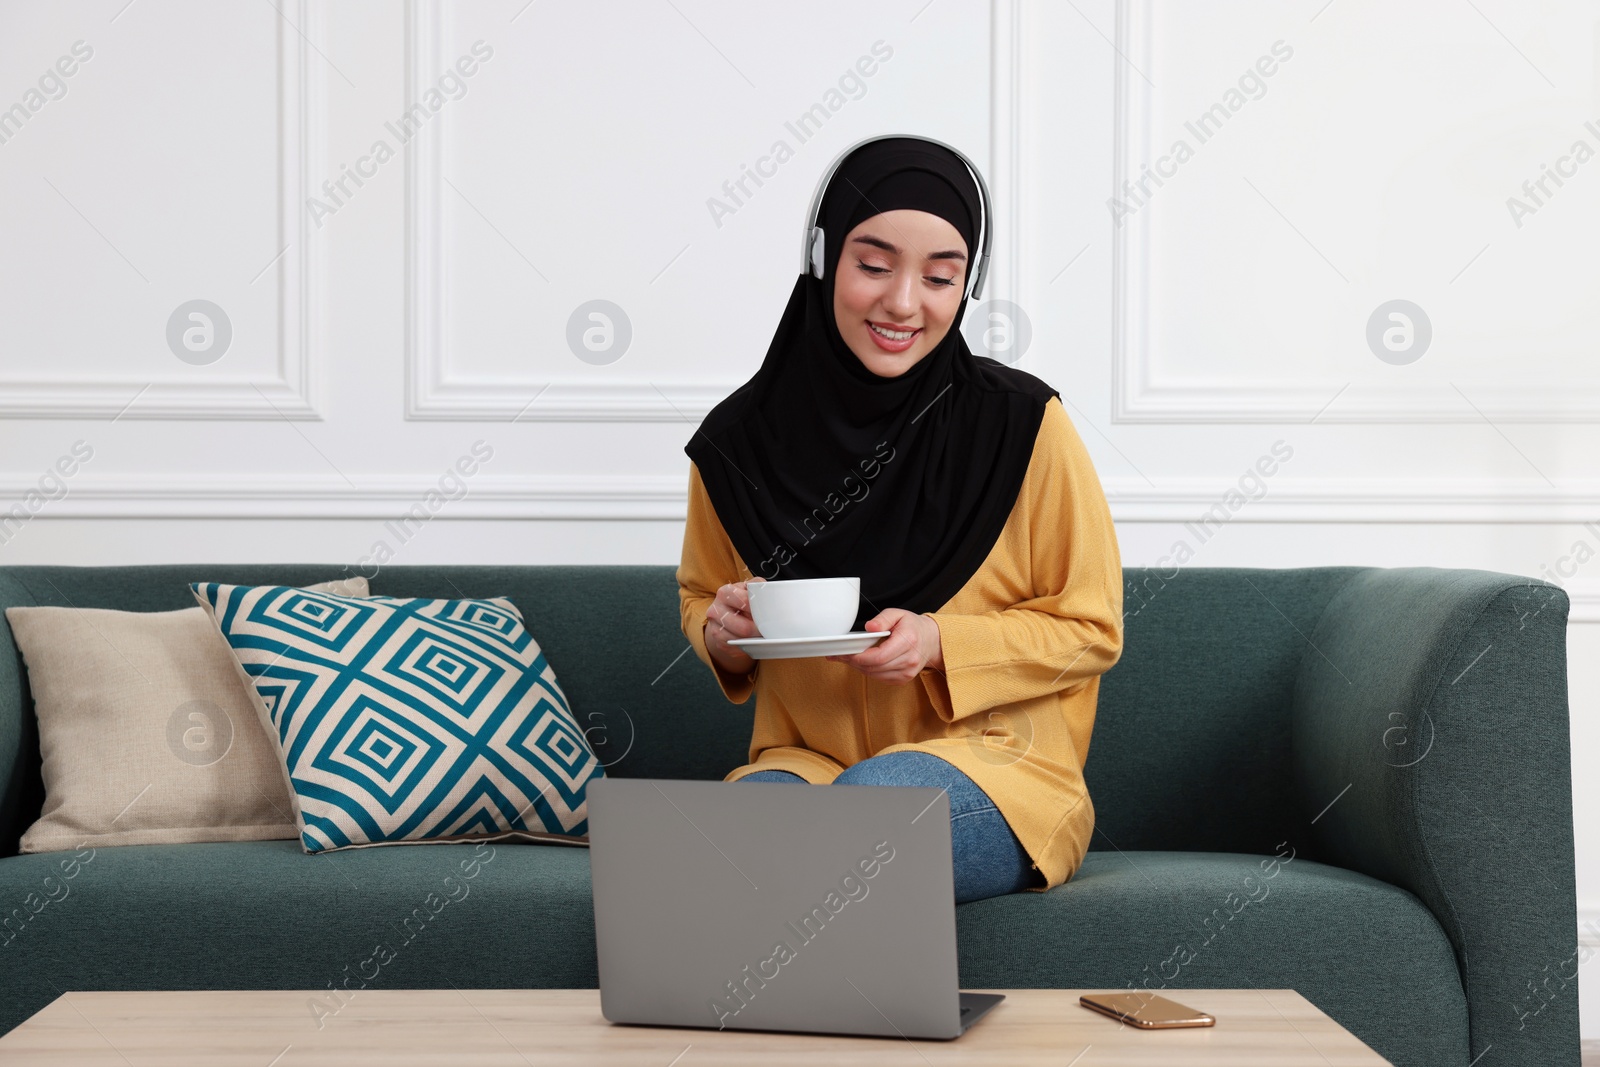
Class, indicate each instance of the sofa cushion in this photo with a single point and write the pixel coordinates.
(264, 915)
(1343, 940)
(408, 719)
(504, 915)
(146, 733)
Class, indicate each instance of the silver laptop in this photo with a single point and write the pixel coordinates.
(777, 906)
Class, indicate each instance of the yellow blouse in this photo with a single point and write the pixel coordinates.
(1024, 642)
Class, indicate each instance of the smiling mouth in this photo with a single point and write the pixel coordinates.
(892, 334)
(889, 339)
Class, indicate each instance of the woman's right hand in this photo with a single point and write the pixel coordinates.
(728, 619)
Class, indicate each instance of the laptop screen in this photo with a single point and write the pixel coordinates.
(774, 906)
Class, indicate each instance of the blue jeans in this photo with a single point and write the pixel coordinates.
(989, 860)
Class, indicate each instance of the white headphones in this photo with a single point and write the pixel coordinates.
(813, 253)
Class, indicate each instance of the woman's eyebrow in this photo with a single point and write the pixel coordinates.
(878, 242)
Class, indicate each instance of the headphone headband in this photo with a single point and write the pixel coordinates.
(814, 244)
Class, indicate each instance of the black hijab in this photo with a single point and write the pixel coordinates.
(819, 468)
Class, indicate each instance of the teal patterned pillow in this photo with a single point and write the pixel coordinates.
(408, 719)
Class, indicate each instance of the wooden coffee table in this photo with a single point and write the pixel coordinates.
(517, 1028)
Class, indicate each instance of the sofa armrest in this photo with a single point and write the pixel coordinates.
(1431, 750)
(19, 739)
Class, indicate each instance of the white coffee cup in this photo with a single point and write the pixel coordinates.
(804, 607)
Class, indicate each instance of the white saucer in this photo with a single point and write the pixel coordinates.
(800, 647)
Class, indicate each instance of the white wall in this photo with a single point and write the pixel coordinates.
(377, 336)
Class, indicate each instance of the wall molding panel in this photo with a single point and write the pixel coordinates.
(294, 392)
(641, 497)
(1140, 395)
(433, 392)
(660, 498)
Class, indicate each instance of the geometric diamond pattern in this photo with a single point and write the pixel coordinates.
(405, 719)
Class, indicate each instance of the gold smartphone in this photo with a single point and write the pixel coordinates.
(1145, 1010)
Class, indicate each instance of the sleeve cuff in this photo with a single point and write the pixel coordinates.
(937, 686)
(964, 643)
(936, 681)
(736, 687)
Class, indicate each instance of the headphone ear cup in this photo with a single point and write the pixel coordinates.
(816, 252)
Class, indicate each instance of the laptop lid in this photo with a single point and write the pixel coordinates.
(775, 906)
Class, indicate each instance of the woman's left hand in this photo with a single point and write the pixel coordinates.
(912, 644)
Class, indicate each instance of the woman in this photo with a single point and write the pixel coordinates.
(873, 443)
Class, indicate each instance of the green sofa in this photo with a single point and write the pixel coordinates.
(1350, 781)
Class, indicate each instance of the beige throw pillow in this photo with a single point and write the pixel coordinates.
(146, 731)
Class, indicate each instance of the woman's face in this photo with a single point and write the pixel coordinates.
(899, 272)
